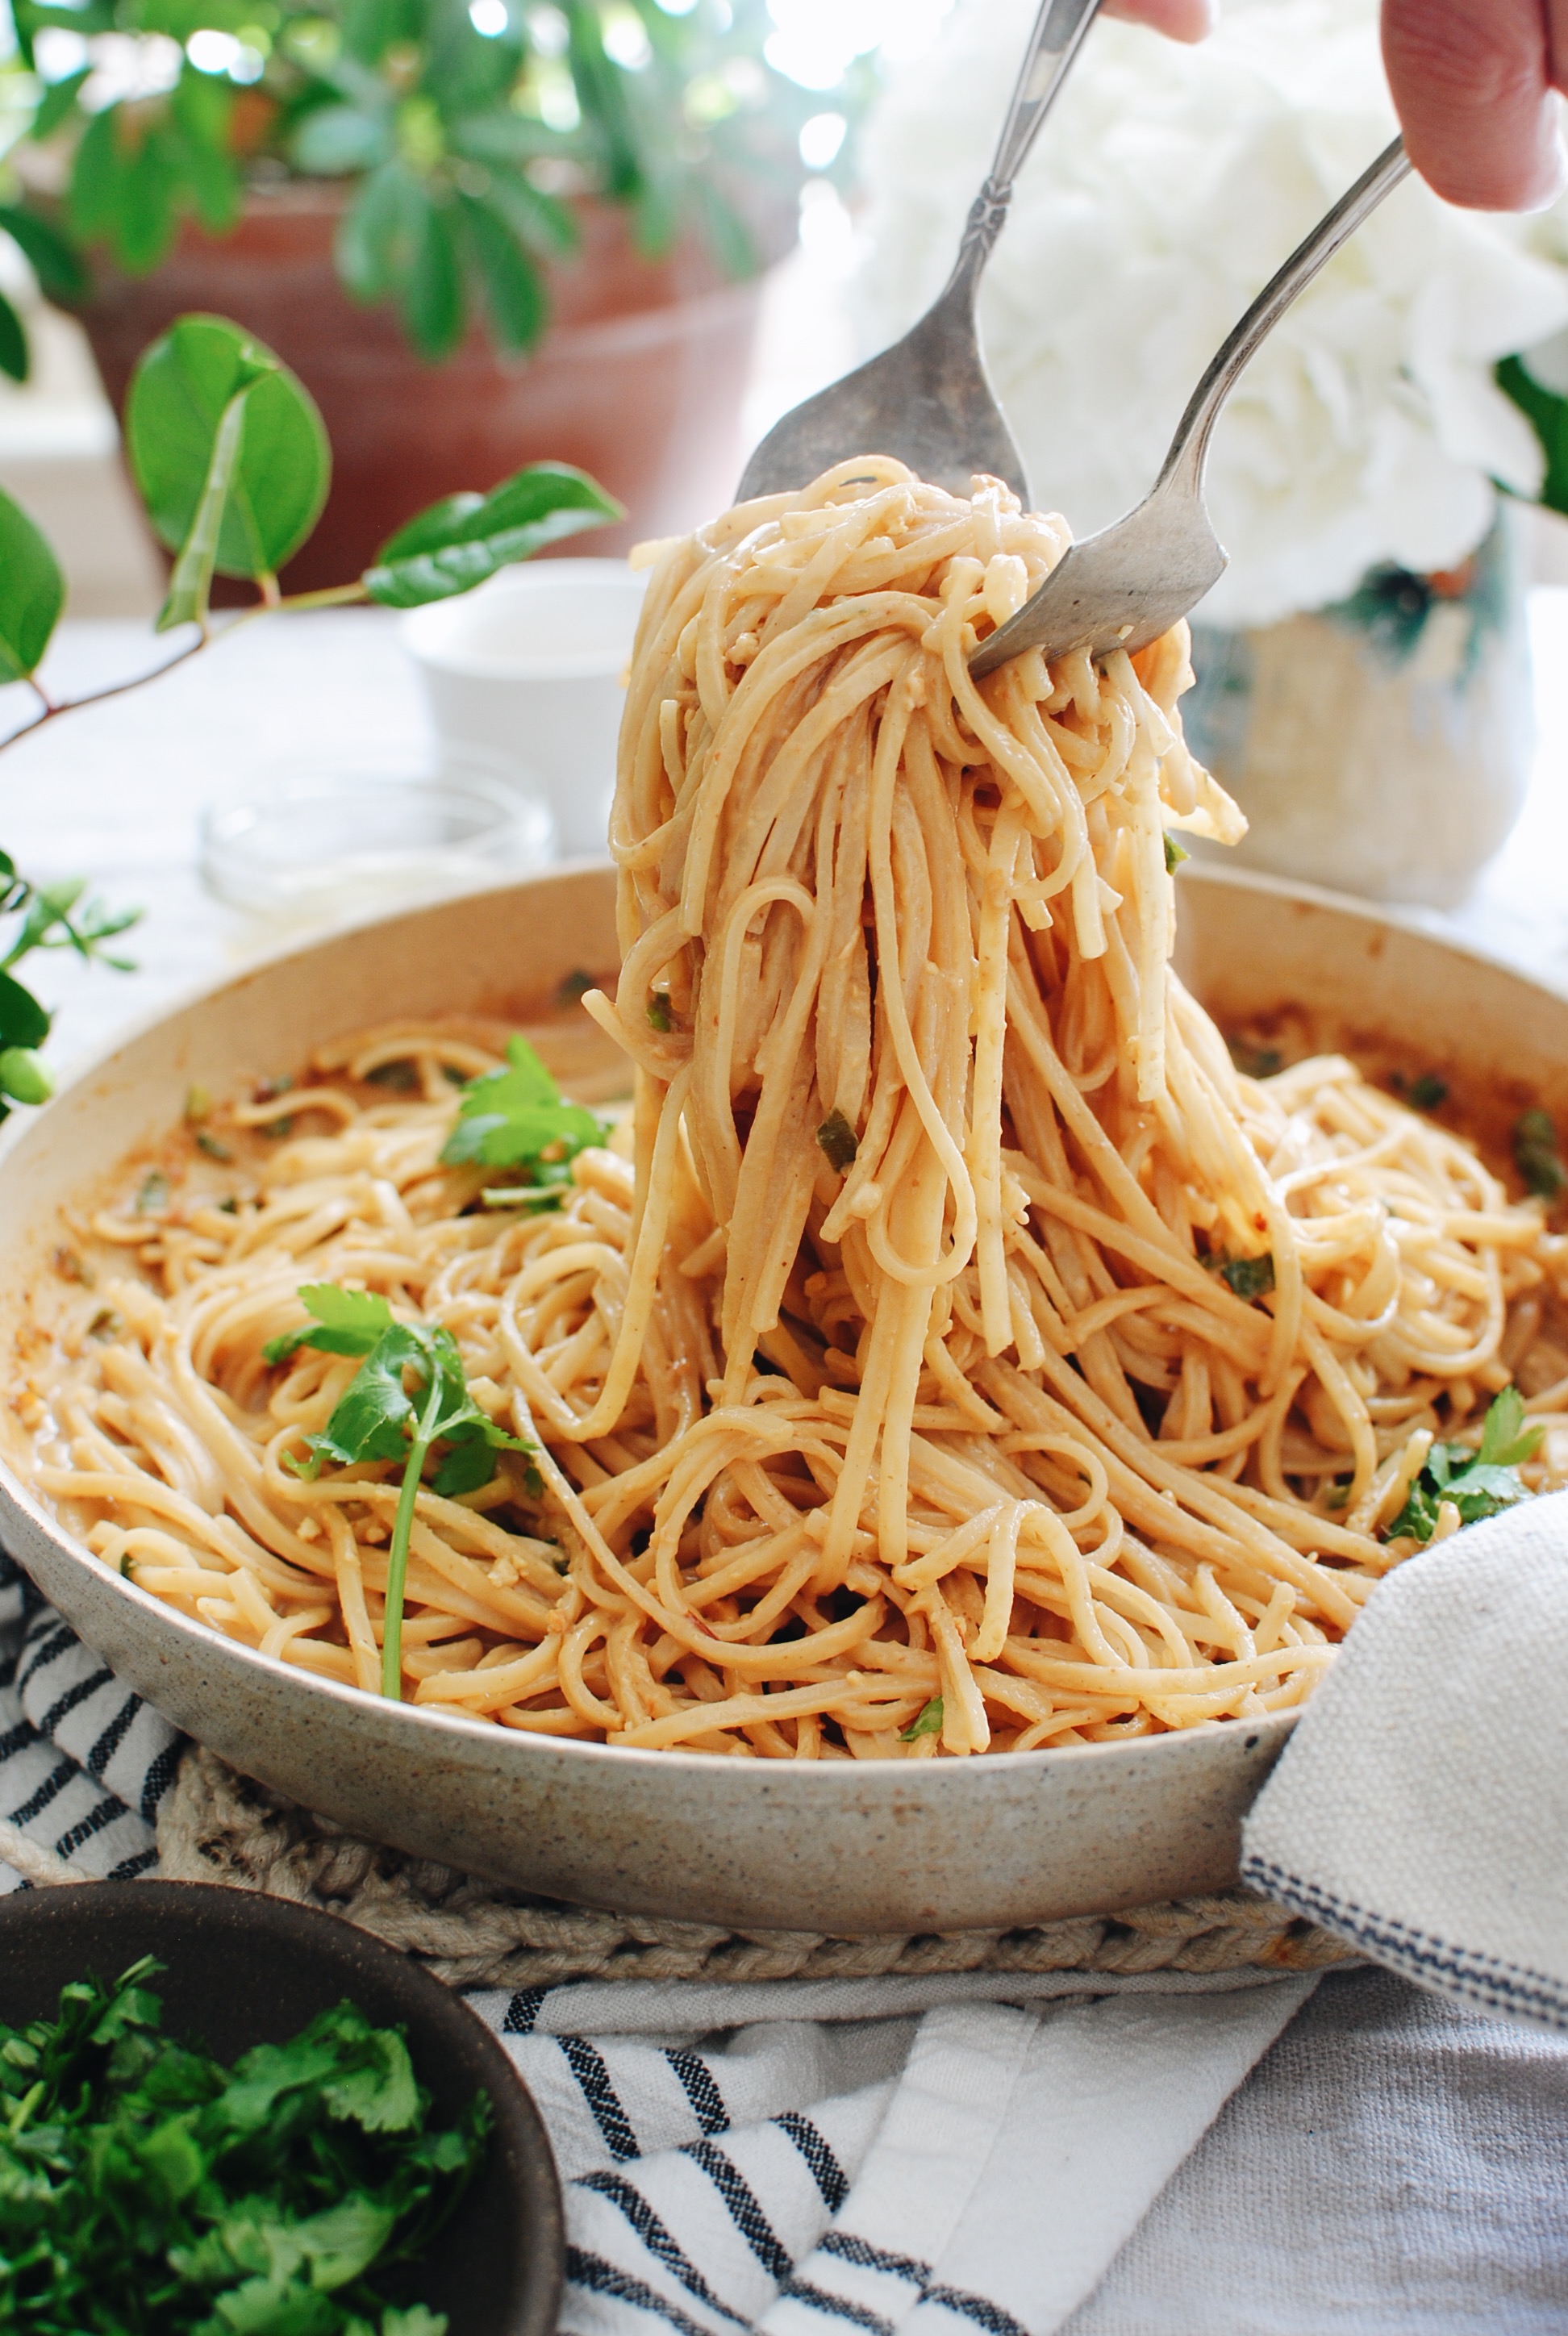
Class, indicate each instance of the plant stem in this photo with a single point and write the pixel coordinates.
(334, 596)
(331, 596)
(54, 707)
(397, 1555)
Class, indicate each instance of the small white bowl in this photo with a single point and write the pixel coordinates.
(531, 666)
(318, 842)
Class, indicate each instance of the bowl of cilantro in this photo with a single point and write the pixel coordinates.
(220, 2112)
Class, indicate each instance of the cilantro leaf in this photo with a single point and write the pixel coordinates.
(927, 1721)
(346, 1322)
(409, 1394)
(465, 1468)
(1479, 1484)
(1537, 1154)
(1506, 1440)
(511, 1118)
(1249, 1277)
(839, 1141)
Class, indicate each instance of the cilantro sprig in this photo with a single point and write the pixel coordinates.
(146, 2190)
(515, 1118)
(409, 1394)
(1479, 1484)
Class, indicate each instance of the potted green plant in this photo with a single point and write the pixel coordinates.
(480, 231)
(229, 454)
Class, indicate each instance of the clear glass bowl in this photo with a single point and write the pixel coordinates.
(315, 842)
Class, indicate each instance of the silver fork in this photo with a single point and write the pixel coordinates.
(1121, 588)
(927, 399)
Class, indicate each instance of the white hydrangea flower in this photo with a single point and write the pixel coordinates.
(1167, 187)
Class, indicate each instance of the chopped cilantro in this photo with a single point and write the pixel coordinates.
(147, 2189)
(153, 1195)
(1537, 1156)
(658, 1010)
(1478, 1483)
(1249, 1277)
(197, 1106)
(1174, 855)
(573, 987)
(927, 1721)
(207, 1142)
(1255, 1062)
(1426, 1093)
(839, 1141)
(515, 1118)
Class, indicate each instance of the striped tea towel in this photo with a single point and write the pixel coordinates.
(843, 2174)
(1420, 1810)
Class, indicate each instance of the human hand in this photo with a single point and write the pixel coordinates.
(1184, 20)
(1473, 81)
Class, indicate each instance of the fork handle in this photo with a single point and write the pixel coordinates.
(1183, 465)
(1059, 29)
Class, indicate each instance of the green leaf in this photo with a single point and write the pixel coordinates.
(190, 580)
(466, 1467)
(340, 141)
(13, 358)
(1547, 413)
(430, 295)
(1174, 855)
(31, 593)
(345, 1322)
(374, 1414)
(459, 542)
(538, 221)
(24, 1076)
(1506, 1440)
(145, 209)
(513, 293)
(23, 1021)
(927, 1721)
(95, 177)
(379, 2093)
(1478, 1483)
(180, 393)
(508, 1118)
(1537, 1156)
(838, 1140)
(54, 261)
(1249, 1277)
(57, 104)
(374, 242)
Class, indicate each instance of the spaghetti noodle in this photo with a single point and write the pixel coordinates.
(952, 1352)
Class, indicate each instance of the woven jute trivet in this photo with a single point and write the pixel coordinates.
(215, 1825)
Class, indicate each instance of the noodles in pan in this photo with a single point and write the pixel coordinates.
(951, 1351)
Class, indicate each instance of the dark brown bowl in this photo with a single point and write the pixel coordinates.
(240, 1969)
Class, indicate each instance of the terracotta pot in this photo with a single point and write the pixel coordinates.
(640, 378)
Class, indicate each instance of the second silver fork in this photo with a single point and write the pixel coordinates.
(927, 400)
